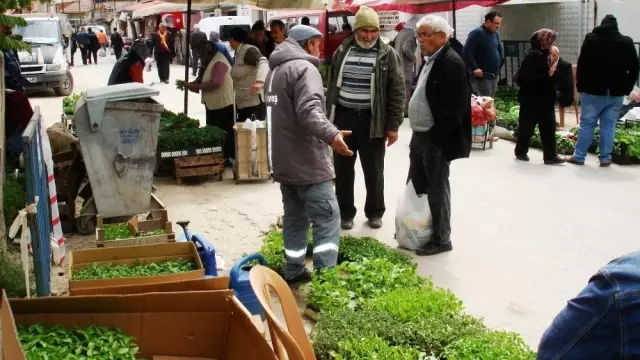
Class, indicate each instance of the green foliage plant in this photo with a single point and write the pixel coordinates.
(12, 277)
(375, 348)
(113, 271)
(490, 345)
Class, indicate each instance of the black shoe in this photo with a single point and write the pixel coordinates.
(524, 157)
(572, 160)
(166, 81)
(303, 278)
(605, 163)
(555, 161)
(375, 223)
(346, 224)
(434, 249)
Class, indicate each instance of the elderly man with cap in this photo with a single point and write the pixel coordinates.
(197, 37)
(366, 96)
(214, 37)
(301, 156)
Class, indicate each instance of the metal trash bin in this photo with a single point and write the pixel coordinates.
(118, 130)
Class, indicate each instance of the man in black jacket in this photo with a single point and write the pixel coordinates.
(607, 71)
(440, 117)
(117, 44)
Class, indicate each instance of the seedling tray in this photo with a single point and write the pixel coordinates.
(136, 226)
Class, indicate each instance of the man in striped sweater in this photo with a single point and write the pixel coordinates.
(366, 95)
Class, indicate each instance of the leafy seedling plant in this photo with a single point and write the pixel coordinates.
(121, 231)
(375, 348)
(358, 248)
(181, 85)
(490, 345)
(113, 271)
(92, 343)
(350, 284)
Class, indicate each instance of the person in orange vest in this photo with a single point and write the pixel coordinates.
(103, 40)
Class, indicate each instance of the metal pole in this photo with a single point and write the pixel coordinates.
(187, 57)
(453, 3)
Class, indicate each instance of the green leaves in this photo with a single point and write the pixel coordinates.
(375, 348)
(181, 84)
(69, 103)
(490, 345)
(12, 277)
(351, 283)
(57, 343)
(358, 248)
(183, 139)
(112, 271)
(121, 231)
(172, 121)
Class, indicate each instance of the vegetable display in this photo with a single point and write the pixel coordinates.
(69, 103)
(375, 306)
(121, 231)
(176, 140)
(172, 121)
(507, 108)
(57, 343)
(113, 271)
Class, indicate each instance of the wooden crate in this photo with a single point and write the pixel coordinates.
(199, 165)
(136, 226)
(242, 167)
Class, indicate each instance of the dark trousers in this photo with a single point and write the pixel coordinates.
(163, 60)
(85, 54)
(371, 153)
(429, 173)
(543, 114)
(223, 119)
(118, 52)
(94, 53)
(194, 62)
(245, 113)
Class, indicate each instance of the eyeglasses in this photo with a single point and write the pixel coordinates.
(428, 35)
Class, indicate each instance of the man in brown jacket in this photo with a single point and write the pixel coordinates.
(366, 96)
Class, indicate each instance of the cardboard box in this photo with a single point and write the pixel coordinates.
(130, 255)
(199, 324)
(217, 283)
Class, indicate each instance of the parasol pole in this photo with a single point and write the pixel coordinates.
(187, 58)
(453, 3)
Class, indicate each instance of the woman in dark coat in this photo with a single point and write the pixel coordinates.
(537, 97)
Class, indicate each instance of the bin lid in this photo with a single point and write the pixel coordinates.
(97, 98)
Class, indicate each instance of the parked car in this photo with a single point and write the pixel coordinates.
(328, 22)
(45, 65)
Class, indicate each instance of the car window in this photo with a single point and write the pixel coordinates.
(336, 22)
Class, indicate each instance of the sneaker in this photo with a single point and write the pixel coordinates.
(572, 160)
(346, 224)
(605, 163)
(434, 249)
(555, 161)
(523, 157)
(375, 223)
(302, 278)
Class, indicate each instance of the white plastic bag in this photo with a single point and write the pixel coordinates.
(102, 53)
(413, 220)
(148, 63)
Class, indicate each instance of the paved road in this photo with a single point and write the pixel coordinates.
(526, 237)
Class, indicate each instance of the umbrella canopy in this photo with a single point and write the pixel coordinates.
(420, 6)
(264, 4)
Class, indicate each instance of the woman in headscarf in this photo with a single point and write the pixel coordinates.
(537, 97)
(249, 71)
(405, 45)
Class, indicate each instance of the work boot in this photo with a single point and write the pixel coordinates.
(434, 249)
(302, 278)
(523, 157)
(375, 223)
(555, 161)
(346, 224)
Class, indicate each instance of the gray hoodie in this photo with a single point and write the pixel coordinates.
(300, 130)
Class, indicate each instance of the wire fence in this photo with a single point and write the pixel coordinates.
(37, 190)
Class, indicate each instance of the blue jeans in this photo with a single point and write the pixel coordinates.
(307, 205)
(607, 110)
(603, 321)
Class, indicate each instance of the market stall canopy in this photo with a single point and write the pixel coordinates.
(158, 7)
(421, 6)
(265, 4)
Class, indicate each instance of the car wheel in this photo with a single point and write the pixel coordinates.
(67, 87)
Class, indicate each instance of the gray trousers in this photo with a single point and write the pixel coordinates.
(484, 87)
(429, 172)
(307, 205)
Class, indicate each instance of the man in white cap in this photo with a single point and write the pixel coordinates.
(366, 95)
(301, 155)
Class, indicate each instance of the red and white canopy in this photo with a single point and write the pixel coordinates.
(420, 6)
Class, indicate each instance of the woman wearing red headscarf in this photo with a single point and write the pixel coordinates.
(537, 97)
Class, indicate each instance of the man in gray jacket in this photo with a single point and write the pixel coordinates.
(301, 156)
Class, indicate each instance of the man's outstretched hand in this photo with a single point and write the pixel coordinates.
(391, 137)
(338, 145)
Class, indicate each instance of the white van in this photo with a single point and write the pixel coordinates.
(222, 25)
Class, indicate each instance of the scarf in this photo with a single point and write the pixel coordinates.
(546, 37)
(163, 39)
